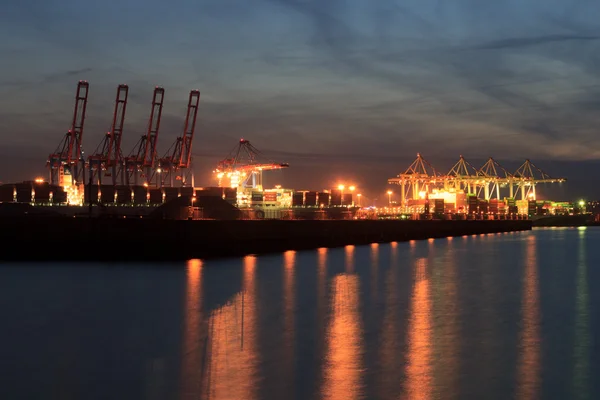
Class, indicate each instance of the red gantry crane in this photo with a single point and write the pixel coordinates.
(179, 155)
(108, 155)
(244, 166)
(68, 157)
(142, 159)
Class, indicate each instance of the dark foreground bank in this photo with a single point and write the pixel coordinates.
(99, 239)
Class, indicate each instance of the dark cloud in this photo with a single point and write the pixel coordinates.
(325, 85)
(532, 41)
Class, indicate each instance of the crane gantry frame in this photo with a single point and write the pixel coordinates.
(108, 157)
(142, 159)
(244, 166)
(486, 181)
(68, 156)
(179, 155)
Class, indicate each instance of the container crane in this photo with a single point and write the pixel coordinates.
(142, 159)
(527, 176)
(416, 181)
(108, 155)
(179, 155)
(68, 159)
(496, 176)
(244, 167)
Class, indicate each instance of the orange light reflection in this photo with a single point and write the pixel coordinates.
(374, 269)
(192, 352)
(391, 363)
(529, 348)
(343, 371)
(232, 344)
(418, 370)
(349, 258)
(289, 262)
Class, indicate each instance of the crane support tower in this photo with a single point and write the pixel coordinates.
(142, 159)
(68, 157)
(108, 156)
(177, 162)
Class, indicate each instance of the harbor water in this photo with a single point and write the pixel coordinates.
(495, 316)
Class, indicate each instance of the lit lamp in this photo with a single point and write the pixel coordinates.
(351, 191)
(341, 188)
(390, 193)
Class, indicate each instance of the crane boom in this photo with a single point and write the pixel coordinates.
(179, 155)
(108, 153)
(185, 152)
(69, 152)
(149, 155)
(113, 153)
(143, 154)
(76, 132)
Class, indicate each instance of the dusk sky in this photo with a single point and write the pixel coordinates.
(342, 90)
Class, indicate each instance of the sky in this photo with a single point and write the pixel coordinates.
(343, 90)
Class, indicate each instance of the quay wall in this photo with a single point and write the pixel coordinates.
(115, 239)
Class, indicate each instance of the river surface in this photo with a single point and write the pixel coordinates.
(498, 316)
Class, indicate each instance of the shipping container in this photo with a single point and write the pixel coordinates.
(438, 206)
(257, 197)
(347, 199)
(171, 193)
(91, 194)
(156, 196)
(41, 193)
(323, 199)
(7, 193)
(124, 194)
(24, 192)
(186, 191)
(107, 194)
(59, 196)
(270, 196)
(310, 199)
(140, 195)
(210, 191)
(531, 207)
(230, 194)
(298, 199)
(472, 204)
(483, 206)
(336, 197)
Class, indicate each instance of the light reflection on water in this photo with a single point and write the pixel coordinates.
(418, 370)
(342, 369)
(529, 347)
(231, 354)
(492, 316)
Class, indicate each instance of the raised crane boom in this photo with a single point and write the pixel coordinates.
(108, 154)
(185, 149)
(149, 156)
(143, 155)
(181, 151)
(69, 153)
(244, 167)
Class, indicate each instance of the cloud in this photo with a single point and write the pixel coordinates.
(321, 83)
(521, 42)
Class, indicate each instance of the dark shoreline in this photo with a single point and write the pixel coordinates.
(98, 239)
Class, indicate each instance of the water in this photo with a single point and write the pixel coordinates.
(493, 316)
